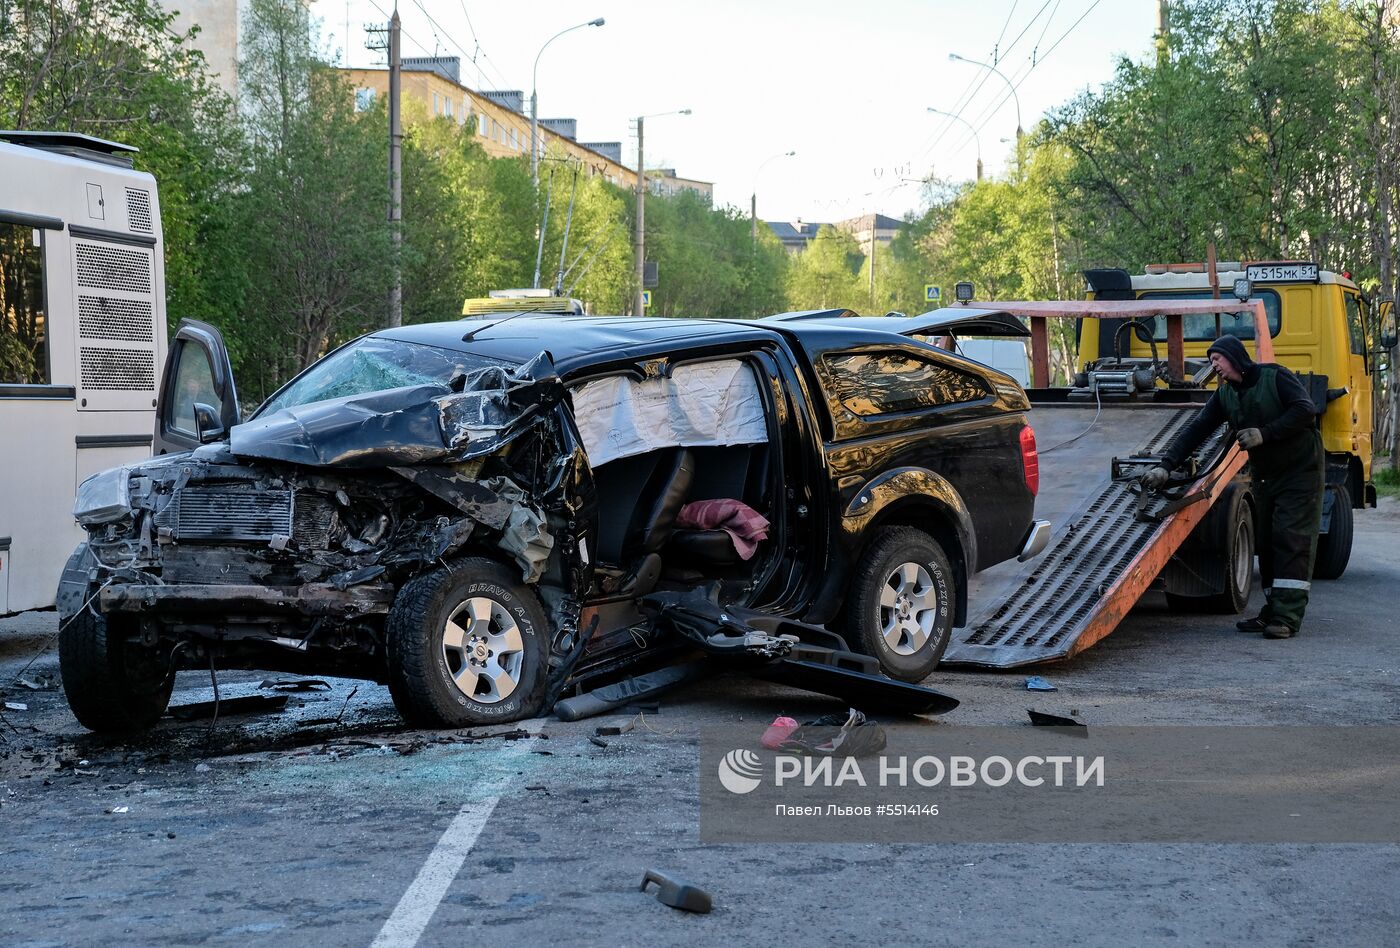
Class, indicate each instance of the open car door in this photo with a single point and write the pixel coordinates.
(198, 401)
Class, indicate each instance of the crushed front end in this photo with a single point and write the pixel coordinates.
(285, 549)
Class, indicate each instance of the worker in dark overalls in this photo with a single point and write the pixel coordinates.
(1273, 418)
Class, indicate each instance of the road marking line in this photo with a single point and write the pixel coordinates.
(415, 910)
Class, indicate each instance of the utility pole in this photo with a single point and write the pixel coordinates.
(639, 241)
(1163, 47)
(874, 219)
(753, 218)
(395, 171)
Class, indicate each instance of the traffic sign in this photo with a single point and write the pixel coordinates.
(646, 298)
(932, 294)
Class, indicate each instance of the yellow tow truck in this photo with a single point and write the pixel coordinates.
(1323, 328)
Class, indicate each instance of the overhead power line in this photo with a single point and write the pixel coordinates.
(986, 116)
(966, 100)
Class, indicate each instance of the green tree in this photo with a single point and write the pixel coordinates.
(314, 236)
(826, 274)
(709, 263)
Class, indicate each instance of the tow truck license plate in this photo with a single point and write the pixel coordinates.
(1281, 272)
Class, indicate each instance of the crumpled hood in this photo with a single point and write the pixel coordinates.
(415, 424)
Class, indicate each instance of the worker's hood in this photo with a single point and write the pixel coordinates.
(415, 424)
(1232, 349)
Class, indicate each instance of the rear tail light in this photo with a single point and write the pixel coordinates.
(1030, 460)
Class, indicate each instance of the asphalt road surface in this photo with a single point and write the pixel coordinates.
(327, 823)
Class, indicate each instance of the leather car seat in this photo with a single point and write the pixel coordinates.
(654, 519)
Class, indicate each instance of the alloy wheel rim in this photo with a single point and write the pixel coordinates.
(908, 608)
(484, 650)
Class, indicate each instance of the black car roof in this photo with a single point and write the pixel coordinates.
(578, 341)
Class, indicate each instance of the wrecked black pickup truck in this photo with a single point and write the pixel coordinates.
(493, 516)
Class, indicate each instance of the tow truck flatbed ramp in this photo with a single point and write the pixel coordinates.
(1103, 557)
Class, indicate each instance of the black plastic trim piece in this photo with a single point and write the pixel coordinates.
(113, 441)
(38, 391)
(4, 543)
(41, 221)
(111, 236)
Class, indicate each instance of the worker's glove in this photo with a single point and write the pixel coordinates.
(1155, 478)
(1250, 438)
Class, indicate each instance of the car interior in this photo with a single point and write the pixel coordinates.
(656, 445)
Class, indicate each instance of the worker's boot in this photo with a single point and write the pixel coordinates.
(1256, 624)
(1277, 630)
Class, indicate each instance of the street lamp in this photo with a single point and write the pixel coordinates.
(753, 198)
(975, 138)
(534, 111)
(639, 239)
(954, 57)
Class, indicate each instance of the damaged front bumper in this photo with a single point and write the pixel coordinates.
(315, 600)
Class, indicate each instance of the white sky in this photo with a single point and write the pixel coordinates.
(844, 84)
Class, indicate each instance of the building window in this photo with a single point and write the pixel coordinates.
(364, 100)
(24, 337)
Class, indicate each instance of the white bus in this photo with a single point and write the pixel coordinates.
(82, 340)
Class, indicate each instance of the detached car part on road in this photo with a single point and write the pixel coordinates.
(479, 519)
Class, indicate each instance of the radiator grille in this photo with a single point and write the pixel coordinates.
(138, 210)
(111, 268)
(117, 370)
(102, 317)
(208, 513)
(315, 516)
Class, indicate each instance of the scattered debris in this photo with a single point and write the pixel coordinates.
(295, 684)
(1036, 683)
(598, 741)
(1042, 719)
(612, 731)
(38, 682)
(849, 735)
(16, 706)
(777, 732)
(243, 704)
(676, 893)
(202, 768)
(119, 809)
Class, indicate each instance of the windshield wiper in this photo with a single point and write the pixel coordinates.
(500, 322)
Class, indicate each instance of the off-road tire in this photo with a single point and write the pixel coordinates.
(889, 549)
(112, 686)
(420, 680)
(1334, 546)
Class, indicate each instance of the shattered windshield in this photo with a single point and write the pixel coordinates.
(373, 365)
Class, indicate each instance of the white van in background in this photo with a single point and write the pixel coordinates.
(1005, 355)
(82, 340)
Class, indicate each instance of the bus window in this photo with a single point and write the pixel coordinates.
(194, 383)
(24, 344)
